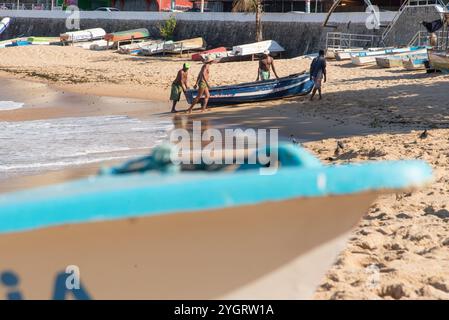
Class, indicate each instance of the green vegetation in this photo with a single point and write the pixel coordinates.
(168, 28)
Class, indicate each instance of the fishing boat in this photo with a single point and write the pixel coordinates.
(4, 43)
(4, 23)
(83, 35)
(331, 53)
(394, 61)
(293, 85)
(43, 40)
(136, 47)
(18, 43)
(154, 48)
(368, 57)
(184, 45)
(257, 48)
(127, 35)
(439, 60)
(346, 53)
(91, 44)
(200, 56)
(152, 229)
(415, 63)
(101, 45)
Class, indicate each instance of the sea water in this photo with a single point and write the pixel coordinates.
(30, 147)
(10, 105)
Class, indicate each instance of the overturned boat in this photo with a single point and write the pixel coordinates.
(397, 60)
(439, 60)
(185, 45)
(362, 58)
(151, 229)
(293, 85)
(416, 63)
(128, 35)
(82, 35)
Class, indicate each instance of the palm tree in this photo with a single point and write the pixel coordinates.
(251, 6)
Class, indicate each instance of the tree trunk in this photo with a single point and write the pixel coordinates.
(259, 36)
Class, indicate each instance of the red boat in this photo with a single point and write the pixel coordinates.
(198, 56)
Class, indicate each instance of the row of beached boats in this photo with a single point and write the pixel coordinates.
(220, 54)
(410, 58)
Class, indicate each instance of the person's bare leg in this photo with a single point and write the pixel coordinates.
(196, 100)
(313, 94)
(173, 108)
(319, 93)
(206, 98)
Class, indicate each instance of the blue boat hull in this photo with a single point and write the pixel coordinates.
(140, 232)
(293, 85)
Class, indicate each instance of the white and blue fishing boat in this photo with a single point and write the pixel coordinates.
(19, 43)
(150, 229)
(397, 60)
(415, 63)
(366, 57)
(293, 85)
(345, 54)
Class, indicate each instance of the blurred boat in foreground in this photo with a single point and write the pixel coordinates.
(151, 229)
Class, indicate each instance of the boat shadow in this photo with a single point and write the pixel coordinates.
(396, 109)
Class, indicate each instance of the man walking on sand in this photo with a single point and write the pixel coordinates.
(265, 65)
(179, 85)
(202, 83)
(317, 72)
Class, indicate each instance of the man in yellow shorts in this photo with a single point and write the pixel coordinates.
(202, 82)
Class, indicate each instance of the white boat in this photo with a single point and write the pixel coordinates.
(151, 229)
(331, 53)
(257, 48)
(83, 35)
(136, 47)
(91, 44)
(154, 48)
(184, 45)
(101, 45)
(396, 60)
(346, 54)
(4, 24)
(363, 58)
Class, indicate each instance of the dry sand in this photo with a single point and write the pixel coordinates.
(379, 112)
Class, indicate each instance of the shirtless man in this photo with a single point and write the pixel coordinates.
(265, 65)
(202, 83)
(179, 85)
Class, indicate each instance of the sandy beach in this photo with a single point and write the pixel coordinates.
(376, 113)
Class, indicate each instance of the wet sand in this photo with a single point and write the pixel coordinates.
(377, 113)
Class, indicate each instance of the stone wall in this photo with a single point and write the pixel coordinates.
(297, 33)
(409, 23)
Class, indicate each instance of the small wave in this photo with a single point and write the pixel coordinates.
(10, 105)
(39, 145)
(58, 163)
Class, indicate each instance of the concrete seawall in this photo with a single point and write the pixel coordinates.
(298, 33)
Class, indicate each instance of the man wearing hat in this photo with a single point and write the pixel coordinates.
(265, 65)
(179, 85)
(202, 83)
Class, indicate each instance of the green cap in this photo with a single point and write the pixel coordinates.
(186, 66)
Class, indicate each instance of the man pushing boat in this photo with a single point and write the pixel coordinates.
(317, 72)
(202, 83)
(179, 85)
(265, 65)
